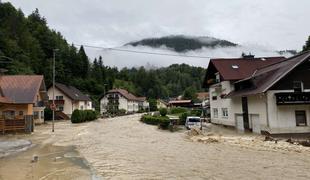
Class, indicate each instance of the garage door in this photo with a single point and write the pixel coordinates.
(239, 122)
(255, 123)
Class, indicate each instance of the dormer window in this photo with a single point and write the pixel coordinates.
(235, 66)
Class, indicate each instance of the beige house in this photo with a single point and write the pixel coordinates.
(162, 104)
(68, 98)
(262, 95)
(22, 95)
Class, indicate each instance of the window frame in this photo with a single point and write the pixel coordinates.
(225, 112)
(304, 112)
(215, 112)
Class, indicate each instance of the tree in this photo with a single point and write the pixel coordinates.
(190, 93)
(306, 47)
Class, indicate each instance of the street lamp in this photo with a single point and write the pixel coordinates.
(53, 105)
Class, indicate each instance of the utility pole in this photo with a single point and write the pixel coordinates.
(53, 105)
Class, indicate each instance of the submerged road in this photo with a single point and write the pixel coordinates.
(124, 148)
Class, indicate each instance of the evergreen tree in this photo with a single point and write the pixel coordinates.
(306, 47)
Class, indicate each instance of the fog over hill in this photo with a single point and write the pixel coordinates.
(180, 46)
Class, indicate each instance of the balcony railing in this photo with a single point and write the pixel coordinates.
(293, 98)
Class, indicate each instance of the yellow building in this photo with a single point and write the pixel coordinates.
(22, 96)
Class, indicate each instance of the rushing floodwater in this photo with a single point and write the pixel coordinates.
(124, 148)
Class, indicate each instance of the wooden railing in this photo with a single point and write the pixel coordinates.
(12, 125)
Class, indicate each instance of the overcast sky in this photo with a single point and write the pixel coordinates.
(274, 25)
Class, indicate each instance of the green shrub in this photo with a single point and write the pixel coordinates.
(163, 111)
(196, 112)
(156, 120)
(121, 112)
(182, 118)
(79, 116)
(76, 116)
(48, 114)
(178, 110)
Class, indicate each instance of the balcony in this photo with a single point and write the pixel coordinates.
(57, 102)
(293, 98)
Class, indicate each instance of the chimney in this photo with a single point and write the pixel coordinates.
(247, 56)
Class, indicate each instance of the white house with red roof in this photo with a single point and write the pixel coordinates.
(263, 95)
(120, 99)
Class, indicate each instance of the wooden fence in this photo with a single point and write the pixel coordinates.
(16, 125)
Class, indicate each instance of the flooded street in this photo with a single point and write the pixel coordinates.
(124, 148)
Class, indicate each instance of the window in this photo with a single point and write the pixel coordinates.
(215, 113)
(59, 97)
(21, 113)
(225, 112)
(82, 107)
(60, 108)
(9, 114)
(301, 119)
(298, 86)
(235, 66)
(36, 115)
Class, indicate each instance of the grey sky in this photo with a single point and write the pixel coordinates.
(276, 24)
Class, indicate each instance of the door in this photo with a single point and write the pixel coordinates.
(239, 122)
(245, 112)
(255, 123)
(301, 119)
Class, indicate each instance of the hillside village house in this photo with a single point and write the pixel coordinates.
(68, 99)
(162, 104)
(263, 95)
(117, 99)
(21, 96)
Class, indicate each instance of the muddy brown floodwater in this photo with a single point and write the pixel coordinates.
(124, 148)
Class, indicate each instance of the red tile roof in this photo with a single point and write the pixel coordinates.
(264, 78)
(21, 89)
(245, 66)
(202, 95)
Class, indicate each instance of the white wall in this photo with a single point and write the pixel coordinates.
(129, 106)
(68, 108)
(69, 105)
(283, 116)
(220, 103)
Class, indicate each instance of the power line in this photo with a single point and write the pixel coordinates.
(146, 52)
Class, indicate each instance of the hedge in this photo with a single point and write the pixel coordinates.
(79, 116)
(161, 121)
(178, 110)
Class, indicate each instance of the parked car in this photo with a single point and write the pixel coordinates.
(192, 121)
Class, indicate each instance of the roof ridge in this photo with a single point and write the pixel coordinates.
(284, 60)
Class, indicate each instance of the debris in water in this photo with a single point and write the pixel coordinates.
(35, 158)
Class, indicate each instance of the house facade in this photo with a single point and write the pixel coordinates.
(246, 93)
(121, 99)
(162, 104)
(68, 99)
(22, 96)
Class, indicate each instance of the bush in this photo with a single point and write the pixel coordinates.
(178, 110)
(196, 112)
(162, 121)
(76, 116)
(163, 111)
(183, 117)
(79, 116)
(48, 114)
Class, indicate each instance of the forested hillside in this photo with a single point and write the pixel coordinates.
(183, 43)
(27, 44)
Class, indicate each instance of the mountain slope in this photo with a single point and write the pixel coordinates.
(181, 43)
